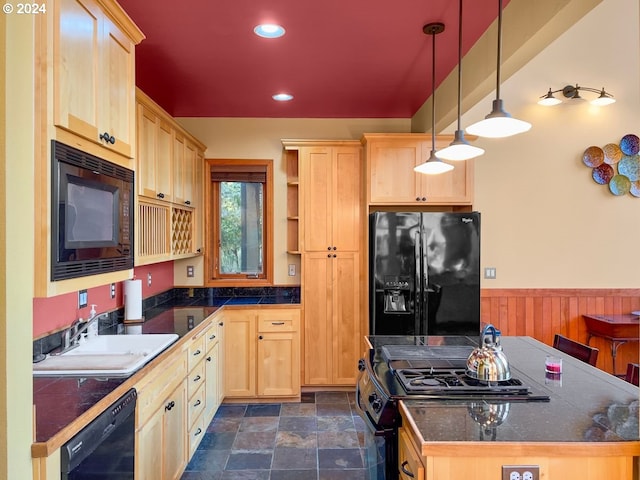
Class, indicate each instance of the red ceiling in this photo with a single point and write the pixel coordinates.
(339, 58)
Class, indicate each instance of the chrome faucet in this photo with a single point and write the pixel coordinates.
(71, 336)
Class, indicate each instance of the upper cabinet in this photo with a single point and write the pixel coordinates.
(169, 164)
(391, 180)
(94, 73)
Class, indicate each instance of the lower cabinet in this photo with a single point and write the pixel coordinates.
(409, 460)
(176, 401)
(262, 353)
(161, 442)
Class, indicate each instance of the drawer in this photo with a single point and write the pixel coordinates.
(279, 321)
(195, 379)
(196, 404)
(154, 388)
(196, 434)
(211, 335)
(196, 351)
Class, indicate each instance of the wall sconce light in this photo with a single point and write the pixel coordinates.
(574, 93)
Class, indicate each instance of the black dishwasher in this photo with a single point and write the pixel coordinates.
(104, 449)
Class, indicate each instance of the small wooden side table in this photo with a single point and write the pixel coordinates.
(618, 329)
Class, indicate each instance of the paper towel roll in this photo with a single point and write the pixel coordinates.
(133, 300)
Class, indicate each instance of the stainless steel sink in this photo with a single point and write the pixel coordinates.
(106, 356)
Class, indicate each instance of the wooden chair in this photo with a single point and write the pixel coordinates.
(576, 349)
(632, 373)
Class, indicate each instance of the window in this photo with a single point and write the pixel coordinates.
(238, 222)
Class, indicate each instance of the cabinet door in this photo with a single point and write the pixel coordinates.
(174, 434)
(116, 98)
(278, 364)
(212, 398)
(148, 124)
(240, 354)
(77, 36)
(316, 183)
(409, 461)
(178, 169)
(318, 308)
(148, 458)
(188, 170)
(346, 199)
(163, 174)
(450, 188)
(391, 175)
(347, 342)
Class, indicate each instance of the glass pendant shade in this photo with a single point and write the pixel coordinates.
(433, 166)
(498, 124)
(459, 149)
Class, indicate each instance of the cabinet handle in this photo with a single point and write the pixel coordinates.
(170, 405)
(160, 195)
(417, 199)
(196, 353)
(405, 471)
(198, 402)
(187, 202)
(221, 324)
(260, 337)
(105, 137)
(277, 323)
(328, 248)
(335, 248)
(212, 337)
(328, 255)
(424, 199)
(334, 255)
(197, 432)
(197, 378)
(208, 358)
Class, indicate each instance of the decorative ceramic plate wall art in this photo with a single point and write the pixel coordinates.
(616, 165)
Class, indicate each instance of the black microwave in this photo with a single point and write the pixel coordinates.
(91, 214)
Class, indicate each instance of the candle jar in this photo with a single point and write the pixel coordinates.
(553, 365)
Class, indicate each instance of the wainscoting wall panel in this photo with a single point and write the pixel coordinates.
(541, 313)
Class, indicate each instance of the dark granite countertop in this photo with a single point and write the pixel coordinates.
(585, 405)
(59, 401)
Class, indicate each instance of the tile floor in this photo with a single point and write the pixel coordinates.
(320, 438)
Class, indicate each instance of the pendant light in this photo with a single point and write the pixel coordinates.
(459, 148)
(433, 165)
(498, 123)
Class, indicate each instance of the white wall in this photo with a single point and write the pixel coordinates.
(546, 223)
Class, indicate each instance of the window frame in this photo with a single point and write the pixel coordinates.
(211, 221)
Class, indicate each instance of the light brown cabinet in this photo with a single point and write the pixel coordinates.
(331, 195)
(391, 180)
(94, 73)
(262, 353)
(410, 463)
(169, 222)
(84, 88)
(332, 326)
(161, 421)
(331, 226)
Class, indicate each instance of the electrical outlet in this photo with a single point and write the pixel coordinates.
(83, 298)
(292, 269)
(520, 472)
(490, 273)
(149, 279)
(112, 290)
(190, 271)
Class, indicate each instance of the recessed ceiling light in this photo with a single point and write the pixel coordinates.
(269, 30)
(282, 97)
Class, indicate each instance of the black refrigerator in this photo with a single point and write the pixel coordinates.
(424, 273)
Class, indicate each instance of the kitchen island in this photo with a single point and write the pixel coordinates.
(587, 430)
